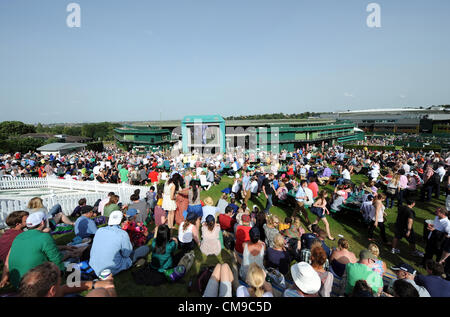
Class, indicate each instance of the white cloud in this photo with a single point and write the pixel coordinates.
(347, 94)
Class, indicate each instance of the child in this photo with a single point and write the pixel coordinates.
(151, 198)
(137, 232)
(159, 213)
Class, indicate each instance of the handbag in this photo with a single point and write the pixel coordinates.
(276, 278)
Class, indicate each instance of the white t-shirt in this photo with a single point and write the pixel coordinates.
(185, 236)
(254, 187)
(242, 291)
(96, 170)
(346, 174)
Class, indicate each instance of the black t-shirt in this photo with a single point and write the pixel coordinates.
(404, 213)
(268, 186)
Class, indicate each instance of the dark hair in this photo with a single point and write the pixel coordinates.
(228, 209)
(134, 197)
(435, 268)
(137, 191)
(315, 228)
(152, 188)
(195, 185)
(302, 182)
(111, 194)
(82, 201)
(362, 289)
(288, 220)
(210, 222)
(254, 235)
(401, 171)
(232, 201)
(15, 218)
(39, 280)
(404, 289)
(162, 237)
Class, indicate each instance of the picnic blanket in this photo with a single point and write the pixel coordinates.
(62, 228)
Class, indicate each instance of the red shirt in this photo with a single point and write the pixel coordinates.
(242, 235)
(314, 188)
(226, 222)
(6, 241)
(153, 175)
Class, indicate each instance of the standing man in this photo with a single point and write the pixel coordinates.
(301, 197)
(440, 230)
(404, 227)
(268, 191)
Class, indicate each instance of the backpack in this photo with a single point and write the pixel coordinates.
(199, 283)
(187, 260)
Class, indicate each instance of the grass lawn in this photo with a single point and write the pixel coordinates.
(351, 229)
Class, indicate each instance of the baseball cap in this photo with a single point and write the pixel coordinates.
(132, 212)
(35, 218)
(245, 218)
(306, 279)
(86, 209)
(115, 218)
(366, 254)
(404, 267)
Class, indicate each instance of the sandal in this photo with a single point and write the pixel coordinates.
(332, 239)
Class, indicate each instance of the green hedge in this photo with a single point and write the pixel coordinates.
(95, 146)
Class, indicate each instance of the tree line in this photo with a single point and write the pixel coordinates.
(281, 115)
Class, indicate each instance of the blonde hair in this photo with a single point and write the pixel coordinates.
(373, 248)
(255, 280)
(271, 219)
(278, 241)
(208, 201)
(35, 203)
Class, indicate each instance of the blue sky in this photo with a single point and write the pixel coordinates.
(137, 60)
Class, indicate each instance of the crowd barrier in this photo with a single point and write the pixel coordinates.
(68, 201)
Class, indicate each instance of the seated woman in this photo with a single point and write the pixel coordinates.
(222, 203)
(210, 237)
(340, 257)
(253, 252)
(271, 229)
(278, 257)
(318, 260)
(162, 248)
(219, 284)
(378, 266)
(282, 192)
(36, 204)
(188, 234)
(257, 284)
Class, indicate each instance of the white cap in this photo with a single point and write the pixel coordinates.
(35, 219)
(115, 218)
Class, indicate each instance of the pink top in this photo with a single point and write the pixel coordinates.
(403, 182)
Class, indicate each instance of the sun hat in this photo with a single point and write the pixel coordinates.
(115, 218)
(306, 279)
(35, 218)
(208, 201)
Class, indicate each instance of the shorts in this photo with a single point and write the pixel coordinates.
(217, 289)
(400, 233)
(197, 209)
(319, 212)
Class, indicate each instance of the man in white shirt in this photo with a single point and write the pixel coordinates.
(441, 171)
(346, 174)
(439, 229)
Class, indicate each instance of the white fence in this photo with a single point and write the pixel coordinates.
(69, 201)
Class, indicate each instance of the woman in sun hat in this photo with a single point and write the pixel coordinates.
(208, 209)
(306, 281)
